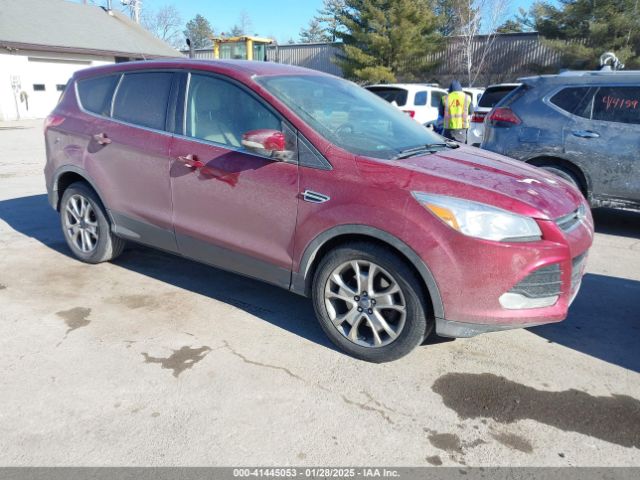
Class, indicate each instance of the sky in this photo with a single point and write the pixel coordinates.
(281, 19)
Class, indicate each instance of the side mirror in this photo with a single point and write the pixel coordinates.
(271, 143)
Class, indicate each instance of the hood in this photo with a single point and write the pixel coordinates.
(486, 177)
(455, 86)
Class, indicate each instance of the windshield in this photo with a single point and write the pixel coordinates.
(349, 116)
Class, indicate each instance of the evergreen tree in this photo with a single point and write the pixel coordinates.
(510, 26)
(448, 14)
(582, 30)
(387, 40)
(199, 31)
(329, 18)
(236, 31)
(314, 33)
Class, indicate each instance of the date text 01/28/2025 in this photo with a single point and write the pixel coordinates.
(316, 472)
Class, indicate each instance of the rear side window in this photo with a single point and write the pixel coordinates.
(95, 93)
(142, 99)
(436, 99)
(572, 100)
(421, 99)
(617, 104)
(397, 95)
(493, 95)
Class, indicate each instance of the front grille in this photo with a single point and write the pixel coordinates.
(571, 220)
(577, 267)
(543, 282)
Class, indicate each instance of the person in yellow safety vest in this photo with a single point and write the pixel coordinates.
(456, 110)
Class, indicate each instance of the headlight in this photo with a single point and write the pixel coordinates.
(479, 220)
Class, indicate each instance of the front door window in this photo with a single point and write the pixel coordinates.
(220, 112)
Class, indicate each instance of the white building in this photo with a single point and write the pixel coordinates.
(43, 42)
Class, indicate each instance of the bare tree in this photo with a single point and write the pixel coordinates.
(245, 23)
(479, 17)
(166, 24)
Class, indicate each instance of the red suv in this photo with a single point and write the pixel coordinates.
(309, 182)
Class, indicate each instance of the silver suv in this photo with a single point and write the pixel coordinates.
(583, 126)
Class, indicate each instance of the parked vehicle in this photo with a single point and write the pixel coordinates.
(475, 93)
(491, 96)
(582, 126)
(419, 101)
(311, 183)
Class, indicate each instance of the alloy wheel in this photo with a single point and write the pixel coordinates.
(365, 303)
(81, 223)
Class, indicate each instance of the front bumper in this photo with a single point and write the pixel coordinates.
(472, 275)
(452, 329)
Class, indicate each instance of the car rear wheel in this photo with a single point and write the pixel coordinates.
(85, 225)
(369, 302)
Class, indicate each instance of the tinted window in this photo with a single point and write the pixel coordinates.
(142, 99)
(617, 104)
(95, 93)
(493, 95)
(397, 95)
(221, 112)
(569, 99)
(38, 87)
(436, 99)
(421, 99)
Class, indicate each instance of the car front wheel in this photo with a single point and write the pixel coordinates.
(369, 302)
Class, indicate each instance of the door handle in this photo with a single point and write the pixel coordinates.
(102, 138)
(314, 197)
(191, 161)
(585, 134)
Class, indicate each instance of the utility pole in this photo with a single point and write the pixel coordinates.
(135, 8)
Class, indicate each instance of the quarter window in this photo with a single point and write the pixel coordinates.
(142, 99)
(421, 99)
(221, 112)
(617, 104)
(95, 93)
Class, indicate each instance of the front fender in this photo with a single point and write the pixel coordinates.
(301, 280)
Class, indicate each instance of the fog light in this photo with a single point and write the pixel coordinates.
(515, 301)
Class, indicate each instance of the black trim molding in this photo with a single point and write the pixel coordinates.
(233, 261)
(301, 281)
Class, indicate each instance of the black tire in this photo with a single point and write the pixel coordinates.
(416, 326)
(107, 246)
(564, 174)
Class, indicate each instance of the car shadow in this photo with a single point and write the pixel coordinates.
(617, 222)
(32, 216)
(603, 322)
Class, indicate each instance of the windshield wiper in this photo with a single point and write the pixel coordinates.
(420, 149)
(447, 144)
